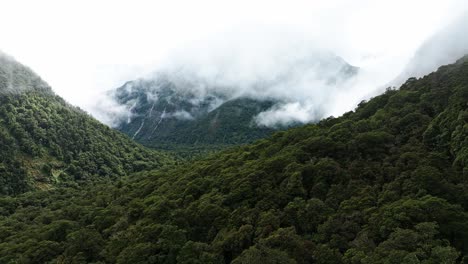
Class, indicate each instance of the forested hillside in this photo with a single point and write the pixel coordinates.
(386, 183)
(164, 118)
(45, 141)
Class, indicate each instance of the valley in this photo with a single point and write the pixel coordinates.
(385, 183)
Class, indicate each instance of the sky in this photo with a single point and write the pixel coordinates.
(82, 48)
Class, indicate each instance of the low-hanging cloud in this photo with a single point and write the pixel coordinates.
(444, 47)
(285, 114)
(303, 74)
(82, 58)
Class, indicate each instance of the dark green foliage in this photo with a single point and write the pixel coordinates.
(386, 183)
(44, 141)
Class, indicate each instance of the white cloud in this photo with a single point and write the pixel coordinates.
(85, 47)
(445, 47)
(287, 114)
(183, 115)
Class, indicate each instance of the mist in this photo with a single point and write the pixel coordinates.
(307, 80)
(296, 72)
(233, 43)
(444, 47)
(306, 74)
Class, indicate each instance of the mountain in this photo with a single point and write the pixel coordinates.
(164, 117)
(444, 47)
(180, 109)
(46, 142)
(386, 183)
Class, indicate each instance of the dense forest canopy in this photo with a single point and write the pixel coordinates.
(386, 183)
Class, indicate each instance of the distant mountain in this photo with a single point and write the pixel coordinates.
(166, 117)
(46, 142)
(445, 47)
(180, 109)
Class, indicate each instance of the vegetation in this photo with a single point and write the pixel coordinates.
(194, 114)
(386, 183)
(15, 77)
(46, 142)
(168, 119)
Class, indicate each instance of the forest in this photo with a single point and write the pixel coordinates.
(385, 183)
(47, 142)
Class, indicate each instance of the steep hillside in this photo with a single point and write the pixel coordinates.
(164, 117)
(169, 119)
(183, 110)
(386, 183)
(44, 141)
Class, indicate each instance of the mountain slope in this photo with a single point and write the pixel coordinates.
(45, 141)
(181, 109)
(386, 183)
(175, 119)
(166, 118)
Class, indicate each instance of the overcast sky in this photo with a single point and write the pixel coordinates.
(84, 47)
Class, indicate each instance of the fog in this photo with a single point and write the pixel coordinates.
(246, 48)
(305, 74)
(301, 74)
(444, 47)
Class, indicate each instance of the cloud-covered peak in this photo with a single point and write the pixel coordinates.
(303, 81)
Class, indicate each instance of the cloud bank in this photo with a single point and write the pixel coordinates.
(444, 47)
(307, 79)
(305, 68)
(298, 73)
(81, 58)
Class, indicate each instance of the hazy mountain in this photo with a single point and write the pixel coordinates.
(187, 108)
(45, 141)
(443, 48)
(163, 116)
